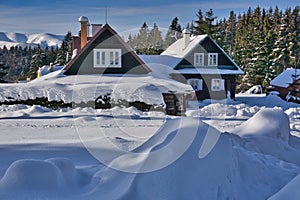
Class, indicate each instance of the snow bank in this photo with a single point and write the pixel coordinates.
(262, 100)
(268, 132)
(268, 122)
(224, 110)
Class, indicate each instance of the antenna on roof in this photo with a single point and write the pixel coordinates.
(106, 15)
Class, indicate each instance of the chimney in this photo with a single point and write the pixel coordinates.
(96, 28)
(84, 30)
(186, 37)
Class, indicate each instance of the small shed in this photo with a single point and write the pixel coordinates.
(287, 83)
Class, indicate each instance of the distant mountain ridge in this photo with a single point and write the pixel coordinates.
(10, 39)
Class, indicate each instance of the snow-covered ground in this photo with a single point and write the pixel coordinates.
(243, 149)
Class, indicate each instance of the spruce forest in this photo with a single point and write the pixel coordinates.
(263, 42)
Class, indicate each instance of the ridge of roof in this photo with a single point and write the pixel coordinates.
(177, 49)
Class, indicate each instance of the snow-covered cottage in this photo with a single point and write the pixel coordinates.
(202, 63)
(104, 53)
(287, 84)
(126, 75)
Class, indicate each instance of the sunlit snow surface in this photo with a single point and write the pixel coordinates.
(249, 150)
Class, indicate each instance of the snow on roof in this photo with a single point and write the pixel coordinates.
(160, 65)
(286, 78)
(209, 71)
(83, 88)
(178, 49)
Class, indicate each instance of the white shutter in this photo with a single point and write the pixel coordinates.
(222, 84)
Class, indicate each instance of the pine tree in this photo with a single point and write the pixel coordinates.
(155, 40)
(3, 71)
(65, 51)
(130, 41)
(280, 54)
(230, 30)
(220, 35)
(205, 25)
(201, 26)
(142, 39)
(269, 39)
(210, 18)
(38, 60)
(294, 38)
(173, 34)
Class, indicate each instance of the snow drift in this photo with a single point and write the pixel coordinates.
(228, 171)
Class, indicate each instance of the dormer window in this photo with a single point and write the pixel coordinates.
(198, 59)
(212, 59)
(104, 58)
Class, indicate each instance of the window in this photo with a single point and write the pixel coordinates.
(107, 58)
(199, 59)
(212, 59)
(197, 84)
(217, 84)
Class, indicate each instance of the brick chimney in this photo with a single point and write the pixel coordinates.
(96, 28)
(84, 30)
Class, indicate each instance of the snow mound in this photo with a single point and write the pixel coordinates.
(224, 110)
(12, 108)
(270, 122)
(225, 172)
(31, 175)
(56, 175)
(37, 109)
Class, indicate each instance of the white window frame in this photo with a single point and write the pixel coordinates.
(197, 61)
(107, 58)
(217, 84)
(197, 84)
(212, 59)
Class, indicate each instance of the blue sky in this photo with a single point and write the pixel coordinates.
(59, 17)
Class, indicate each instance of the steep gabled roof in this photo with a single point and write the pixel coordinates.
(95, 39)
(178, 51)
(286, 78)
